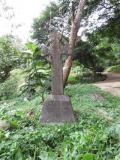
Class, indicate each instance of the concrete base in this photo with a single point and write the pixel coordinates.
(57, 109)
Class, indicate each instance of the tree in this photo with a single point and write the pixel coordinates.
(94, 54)
(75, 23)
(67, 17)
(9, 56)
(75, 28)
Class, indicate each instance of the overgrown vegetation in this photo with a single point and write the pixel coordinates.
(94, 136)
(114, 69)
(9, 56)
(25, 84)
(37, 81)
(11, 88)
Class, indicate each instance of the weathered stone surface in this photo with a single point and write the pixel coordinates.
(57, 109)
(4, 125)
(57, 73)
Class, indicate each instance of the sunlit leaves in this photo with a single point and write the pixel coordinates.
(9, 56)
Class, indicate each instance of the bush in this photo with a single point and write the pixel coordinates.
(8, 89)
(114, 69)
(10, 56)
(80, 74)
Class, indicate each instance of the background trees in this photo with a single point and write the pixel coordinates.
(9, 56)
(96, 132)
(95, 53)
(68, 17)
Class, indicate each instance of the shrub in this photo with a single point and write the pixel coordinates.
(8, 89)
(9, 56)
(114, 69)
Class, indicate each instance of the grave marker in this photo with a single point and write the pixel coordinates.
(57, 108)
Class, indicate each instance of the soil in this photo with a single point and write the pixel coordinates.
(111, 84)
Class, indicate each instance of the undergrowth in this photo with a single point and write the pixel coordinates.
(114, 69)
(94, 136)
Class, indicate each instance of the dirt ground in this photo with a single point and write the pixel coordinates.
(111, 84)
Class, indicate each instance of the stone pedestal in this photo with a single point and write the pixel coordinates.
(57, 109)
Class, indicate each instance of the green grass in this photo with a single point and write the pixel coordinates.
(94, 136)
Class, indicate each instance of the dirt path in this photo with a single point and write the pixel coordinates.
(111, 84)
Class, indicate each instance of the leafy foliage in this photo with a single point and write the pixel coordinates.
(92, 137)
(41, 25)
(9, 57)
(38, 72)
(8, 89)
(114, 69)
(57, 16)
(111, 28)
(96, 133)
(93, 54)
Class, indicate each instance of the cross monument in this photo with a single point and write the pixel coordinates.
(57, 108)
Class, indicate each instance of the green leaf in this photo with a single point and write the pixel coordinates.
(88, 156)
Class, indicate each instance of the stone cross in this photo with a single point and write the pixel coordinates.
(57, 108)
(56, 63)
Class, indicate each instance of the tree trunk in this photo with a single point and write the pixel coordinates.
(72, 40)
